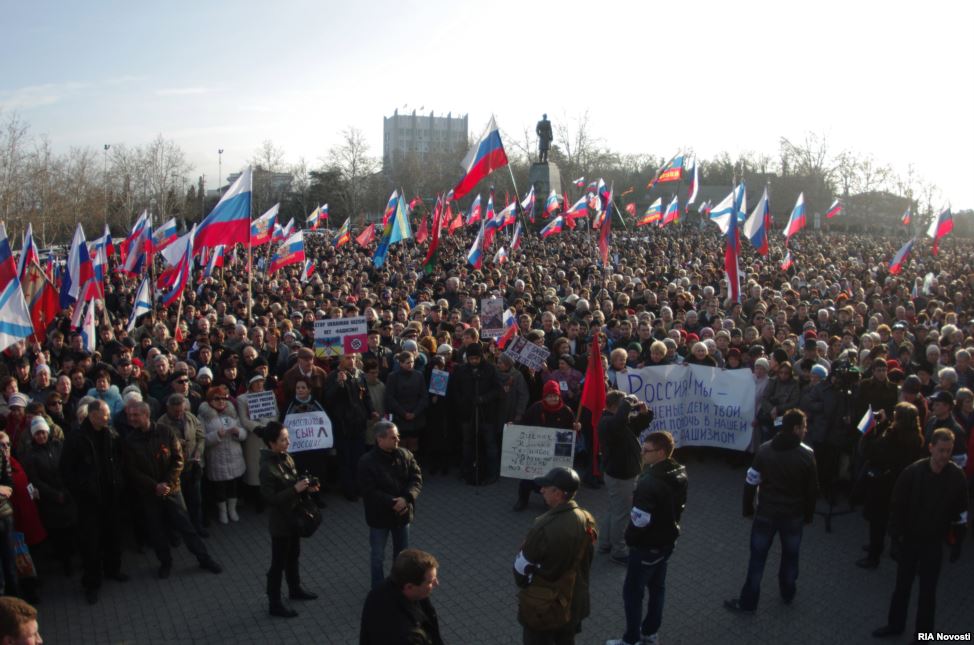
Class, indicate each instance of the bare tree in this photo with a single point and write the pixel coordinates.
(268, 157)
(353, 163)
(165, 169)
(13, 141)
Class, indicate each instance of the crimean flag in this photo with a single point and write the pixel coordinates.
(486, 156)
(896, 264)
(343, 235)
(939, 227)
(834, 210)
(229, 221)
(653, 214)
(593, 396)
(366, 236)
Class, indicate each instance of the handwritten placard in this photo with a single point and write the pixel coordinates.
(531, 451)
(261, 405)
(309, 431)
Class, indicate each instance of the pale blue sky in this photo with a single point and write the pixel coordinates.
(893, 79)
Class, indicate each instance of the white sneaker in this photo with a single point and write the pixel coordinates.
(618, 641)
(652, 639)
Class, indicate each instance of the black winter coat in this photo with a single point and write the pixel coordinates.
(278, 475)
(619, 440)
(476, 388)
(406, 392)
(91, 466)
(348, 404)
(784, 477)
(389, 618)
(383, 476)
(658, 503)
(42, 465)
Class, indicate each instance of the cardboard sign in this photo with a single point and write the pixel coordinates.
(531, 451)
(491, 318)
(340, 336)
(523, 351)
(439, 379)
(309, 431)
(261, 405)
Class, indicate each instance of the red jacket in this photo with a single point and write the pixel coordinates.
(26, 518)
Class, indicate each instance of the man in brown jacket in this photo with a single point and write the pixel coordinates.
(307, 370)
(556, 556)
(187, 427)
(153, 460)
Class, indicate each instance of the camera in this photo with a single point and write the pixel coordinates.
(312, 480)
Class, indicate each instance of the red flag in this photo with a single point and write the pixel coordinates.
(365, 237)
(604, 231)
(42, 299)
(422, 232)
(438, 214)
(456, 223)
(593, 397)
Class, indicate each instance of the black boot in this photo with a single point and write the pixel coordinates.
(276, 607)
(295, 592)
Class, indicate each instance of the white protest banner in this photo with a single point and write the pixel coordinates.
(438, 382)
(523, 351)
(261, 405)
(531, 451)
(698, 405)
(491, 317)
(339, 336)
(309, 431)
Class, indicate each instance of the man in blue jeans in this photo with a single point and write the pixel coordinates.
(389, 481)
(783, 476)
(654, 525)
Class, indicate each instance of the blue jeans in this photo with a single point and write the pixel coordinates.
(646, 570)
(377, 548)
(762, 535)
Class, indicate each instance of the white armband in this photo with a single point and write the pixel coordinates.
(640, 518)
(521, 564)
(962, 519)
(753, 477)
(960, 460)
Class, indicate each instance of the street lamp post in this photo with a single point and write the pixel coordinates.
(219, 174)
(105, 176)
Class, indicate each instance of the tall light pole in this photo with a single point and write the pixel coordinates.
(107, 146)
(219, 174)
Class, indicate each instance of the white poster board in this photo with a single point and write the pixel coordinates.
(309, 431)
(491, 317)
(261, 405)
(339, 336)
(531, 451)
(523, 351)
(698, 405)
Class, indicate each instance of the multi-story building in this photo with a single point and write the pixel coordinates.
(422, 136)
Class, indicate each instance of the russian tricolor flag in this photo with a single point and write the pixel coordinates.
(553, 227)
(182, 270)
(307, 271)
(473, 215)
(510, 329)
(756, 227)
(580, 182)
(164, 235)
(500, 256)
(694, 189)
(516, 238)
(229, 221)
(907, 216)
(834, 209)
(484, 158)
(939, 227)
(788, 261)
(797, 220)
(868, 422)
(672, 213)
(262, 228)
(28, 252)
(78, 271)
(551, 204)
(475, 256)
(578, 209)
(896, 264)
(290, 252)
(732, 248)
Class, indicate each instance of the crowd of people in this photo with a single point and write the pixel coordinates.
(155, 427)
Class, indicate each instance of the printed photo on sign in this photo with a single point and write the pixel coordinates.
(438, 382)
(531, 451)
(492, 317)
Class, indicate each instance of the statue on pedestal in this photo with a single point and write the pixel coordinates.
(543, 130)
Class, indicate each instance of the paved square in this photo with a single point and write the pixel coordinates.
(474, 534)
